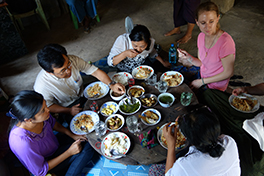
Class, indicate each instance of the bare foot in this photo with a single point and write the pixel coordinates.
(184, 39)
(173, 31)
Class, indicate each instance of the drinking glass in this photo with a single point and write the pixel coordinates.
(186, 98)
(100, 128)
(152, 80)
(162, 86)
(132, 124)
(131, 82)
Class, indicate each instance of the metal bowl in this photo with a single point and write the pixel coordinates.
(149, 96)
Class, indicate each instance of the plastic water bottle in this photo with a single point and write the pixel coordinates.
(172, 54)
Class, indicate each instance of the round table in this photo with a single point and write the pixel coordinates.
(137, 154)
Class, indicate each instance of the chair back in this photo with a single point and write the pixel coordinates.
(21, 6)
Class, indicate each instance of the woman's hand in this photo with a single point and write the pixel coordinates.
(239, 90)
(183, 57)
(166, 64)
(76, 137)
(75, 147)
(131, 53)
(169, 136)
(118, 88)
(196, 84)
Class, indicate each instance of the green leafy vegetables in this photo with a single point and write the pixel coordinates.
(129, 108)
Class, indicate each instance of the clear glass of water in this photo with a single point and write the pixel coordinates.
(132, 124)
(100, 128)
(162, 86)
(152, 80)
(186, 98)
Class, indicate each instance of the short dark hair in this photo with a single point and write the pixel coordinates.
(202, 129)
(25, 105)
(139, 33)
(50, 56)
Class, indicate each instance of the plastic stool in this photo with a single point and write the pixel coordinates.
(75, 21)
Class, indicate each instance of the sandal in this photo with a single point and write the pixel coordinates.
(239, 83)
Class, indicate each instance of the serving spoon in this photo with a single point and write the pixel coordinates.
(114, 152)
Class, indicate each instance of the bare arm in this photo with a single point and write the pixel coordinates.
(253, 90)
(55, 108)
(228, 65)
(74, 149)
(102, 76)
(171, 140)
(128, 53)
(186, 59)
(165, 63)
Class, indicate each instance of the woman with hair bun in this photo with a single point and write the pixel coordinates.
(32, 140)
(209, 154)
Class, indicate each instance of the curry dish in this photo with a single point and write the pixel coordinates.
(244, 104)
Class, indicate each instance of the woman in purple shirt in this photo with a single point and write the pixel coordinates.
(32, 140)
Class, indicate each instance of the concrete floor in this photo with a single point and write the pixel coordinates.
(244, 22)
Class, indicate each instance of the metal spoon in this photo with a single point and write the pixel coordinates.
(114, 152)
(84, 128)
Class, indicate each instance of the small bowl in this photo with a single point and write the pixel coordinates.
(116, 98)
(152, 110)
(148, 96)
(115, 115)
(123, 101)
(137, 87)
(163, 104)
(112, 106)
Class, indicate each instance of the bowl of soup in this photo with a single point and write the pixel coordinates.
(166, 99)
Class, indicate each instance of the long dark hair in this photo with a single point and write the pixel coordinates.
(140, 33)
(51, 56)
(202, 129)
(25, 105)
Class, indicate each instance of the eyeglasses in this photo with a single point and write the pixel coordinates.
(62, 72)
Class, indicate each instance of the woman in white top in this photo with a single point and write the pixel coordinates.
(132, 50)
(209, 154)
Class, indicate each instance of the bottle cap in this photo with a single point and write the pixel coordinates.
(172, 45)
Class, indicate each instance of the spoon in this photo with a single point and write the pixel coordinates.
(114, 152)
(84, 128)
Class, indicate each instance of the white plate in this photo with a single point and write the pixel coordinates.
(109, 103)
(122, 77)
(136, 86)
(163, 145)
(135, 70)
(122, 102)
(172, 73)
(256, 107)
(104, 90)
(107, 139)
(152, 110)
(78, 131)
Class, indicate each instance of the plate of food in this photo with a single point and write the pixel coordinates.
(85, 118)
(173, 78)
(126, 107)
(136, 91)
(96, 90)
(244, 103)
(142, 72)
(149, 100)
(115, 122)
(109, 108)
(150, 117)
(181, 141)
(121, 77)
(116, 140)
